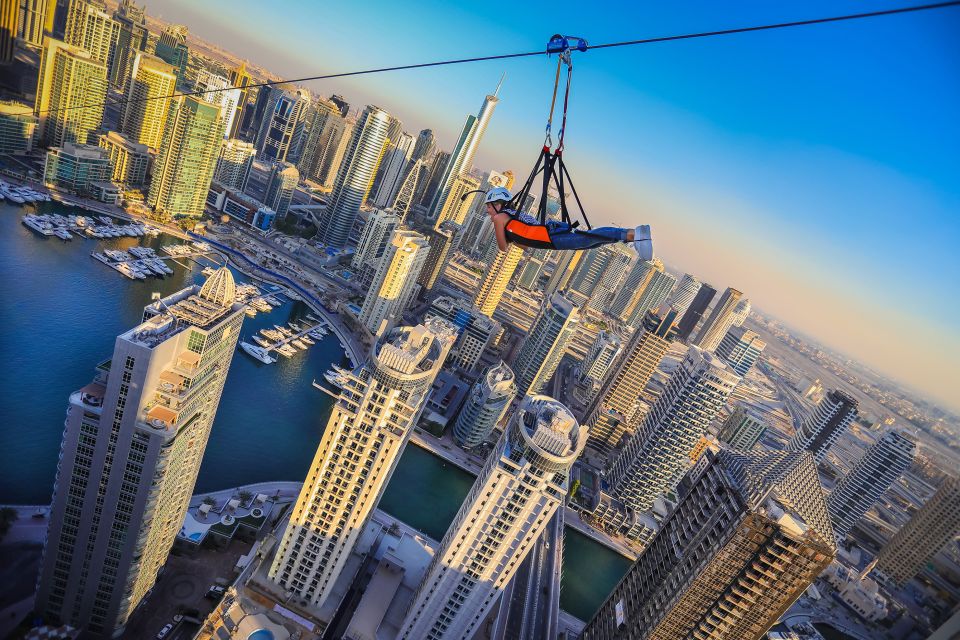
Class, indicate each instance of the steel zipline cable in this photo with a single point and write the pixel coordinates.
(527, 54)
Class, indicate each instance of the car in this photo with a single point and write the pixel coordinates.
(216, 591)
(165, 631)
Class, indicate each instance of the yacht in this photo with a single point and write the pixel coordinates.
(63, 234)
(286, 350)
(273, 335)
(273, 301)
(305, 340)
(286, 332)
(208, 271)
(250, 311)
(163, 266)
(334, 378)
(263, 343)
(126, 270)
(298, 343)
(257, 352)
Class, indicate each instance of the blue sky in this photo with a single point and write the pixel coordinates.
(817, 168)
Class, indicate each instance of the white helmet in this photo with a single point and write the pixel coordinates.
(498, 194)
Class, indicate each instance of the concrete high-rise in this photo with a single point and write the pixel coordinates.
(635, 283)
(741, 430)
(392, 170)
(33, 18)
(598, 273)
(658, 454)
(374, 239)
(740, 313)
(604, 351)
(566, 264)
(740, 348)
(743, 543)
(379, 405)
(458, 203)
(424, 147)
(684, 293)
(441, 239)
(184, 167)
(323, 131)
(532, 269)
(128, 159)
(718, 322)
(172, 48)
(476, 330)
(91, 28)
(825, 424)
(497, 278)
(240, 79)
(461, 159)
(217, 90)
(359, 166)
(145, 112)
(281, 136)
(395, 281)
(649, 293)
(523, 483)
(18, 127)
(234, 163)
(132, 38)
(879, 467)
(428, 188)
(542, 350)
(133, 442)
(281, 185)
(486, 405)
(615, 412)
(926, 533)
(9, 25)
(69, 78)
(696, 309)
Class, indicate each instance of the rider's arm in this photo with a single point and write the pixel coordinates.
(499, 226)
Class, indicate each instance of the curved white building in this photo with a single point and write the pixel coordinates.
(488, 401)
(684, 293)
(521, 486)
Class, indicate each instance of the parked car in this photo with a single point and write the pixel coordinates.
(165, 631)
(216, 591)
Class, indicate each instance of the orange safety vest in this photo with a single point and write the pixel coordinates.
(528, 235)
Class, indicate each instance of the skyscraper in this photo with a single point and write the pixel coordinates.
(374, 239)
(740, 348)
(566, 263)
(9, 25)
(741, 430)
(635, 283)
(131, 39)
(720, 319)
(405, 197)
(34, 16)
(172, 48)
(184, 167)
(497, 278)
(543, 349)
(652, 293)
(281, 135)
(523, 483)
(380, 403)
(693, 314)
(128, 159)
(458, 203)
(615, 413)
(741, 312)
(395, 281)
(879, 467)
(428, 188)
(241, 79)
(392, 170)
(684, 293)
(597, 272)
(604, 351)
(234, 163)
(325, 140)
(532, 269)
(91, 28)
(281, 184)
(425, 146)
(936, 523)
(657, 455)
(442, 239)
(746, 540)
(461, 160)
(476, 330)
(133, 442)
(359, 166)
(69, 77)
(488, 401)
(216, 91)
(145, 112)
(825, 424)
(18, 127)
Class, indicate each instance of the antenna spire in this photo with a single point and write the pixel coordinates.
(499, 84)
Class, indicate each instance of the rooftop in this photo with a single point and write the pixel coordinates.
(194, 306)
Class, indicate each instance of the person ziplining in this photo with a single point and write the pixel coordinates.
(512, 225)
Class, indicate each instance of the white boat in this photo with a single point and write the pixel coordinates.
(208, 271)
(273, 335)
(286, 351)
(273, 301)
(317, 333)
(152, 265)
(298, 343)
(263, 343)
(125, 269)
(257, 352)
(336, 379)
(250, 311)
(286, 332)
(63, 234)
(305, 340)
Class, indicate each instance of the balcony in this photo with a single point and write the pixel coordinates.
(160, 417)
(188, 362)
(92, 395)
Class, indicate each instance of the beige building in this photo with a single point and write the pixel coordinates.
(521, 486)
(69, 78)
(128, 159)
(145, 112)
(369, 427)
(395, 281)
(719, 321)
(497, 278)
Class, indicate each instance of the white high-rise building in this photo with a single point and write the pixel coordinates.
(658, 454)
(91, 28)
(741, 430)
(281, 186)
(740, 348)
(379, 404)
(374, 239)
(720, 320)
(395, 282)
(70, 78)
(825, 424)
(543, 349)
(740, 313)
(459, 202)
(604, 351)
(234, 164)
(488, 401)
(874, 473)
(217, 92)
(684, 293)
(282, 134)
(145, 112)
(461, 159)
(360, 161)
(521, 486)
(393, 170)
(477, 331)
(497, 278)
(133, 442)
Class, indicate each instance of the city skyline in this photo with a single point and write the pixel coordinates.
(772, 175)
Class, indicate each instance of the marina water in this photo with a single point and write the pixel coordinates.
(60, 313)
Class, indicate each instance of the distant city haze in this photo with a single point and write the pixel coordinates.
(814, 168)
